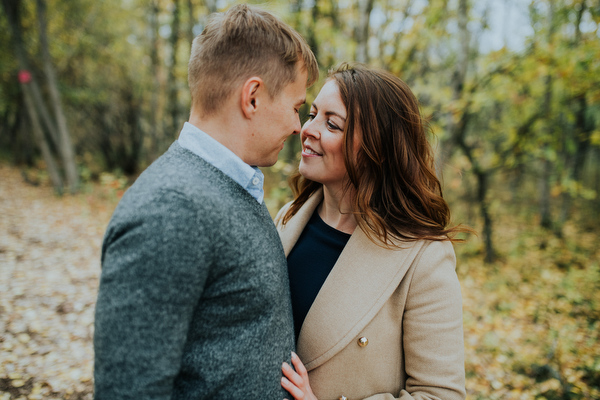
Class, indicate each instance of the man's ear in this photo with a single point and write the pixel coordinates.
(251, 95)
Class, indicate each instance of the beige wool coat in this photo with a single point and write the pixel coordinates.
(387, 324)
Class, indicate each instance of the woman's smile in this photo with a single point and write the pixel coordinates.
(309, 152)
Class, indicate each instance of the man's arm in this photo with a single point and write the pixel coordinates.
(154, 265)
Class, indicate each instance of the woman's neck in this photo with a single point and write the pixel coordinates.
(336, 210)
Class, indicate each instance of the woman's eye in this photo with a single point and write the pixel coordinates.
(311, 116)
(331, 125)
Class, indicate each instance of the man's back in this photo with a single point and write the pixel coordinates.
(220, 329)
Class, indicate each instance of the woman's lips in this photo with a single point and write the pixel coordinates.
(308, 152)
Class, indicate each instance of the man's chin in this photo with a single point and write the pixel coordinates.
(266, 163)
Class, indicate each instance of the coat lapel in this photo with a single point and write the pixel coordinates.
(363, 278)
(290, 232)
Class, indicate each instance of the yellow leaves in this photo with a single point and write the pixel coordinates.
(23, 338)
(527, 319)
(595, 138)
(18, 383)
(113, 185)
(551, 384)
(574, 189)
(556, 191)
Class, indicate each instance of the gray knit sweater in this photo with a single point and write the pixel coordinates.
(194, 297)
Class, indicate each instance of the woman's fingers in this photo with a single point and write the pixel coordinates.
(292, 375)
(292, 389)
(298, 365)
(296, 382)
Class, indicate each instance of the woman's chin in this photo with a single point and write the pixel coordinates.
(305, 172)
(302, 170)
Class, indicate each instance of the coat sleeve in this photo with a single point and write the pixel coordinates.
(433, 329)
(155, 261)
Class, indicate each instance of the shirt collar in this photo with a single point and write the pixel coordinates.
(219, 156)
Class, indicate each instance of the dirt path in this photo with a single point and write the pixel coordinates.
(49, 268)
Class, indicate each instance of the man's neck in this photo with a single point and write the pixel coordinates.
(222, 130)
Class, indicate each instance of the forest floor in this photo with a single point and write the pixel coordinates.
(532, 319)
(49, 268)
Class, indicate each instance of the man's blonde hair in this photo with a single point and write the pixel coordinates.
(244, 42)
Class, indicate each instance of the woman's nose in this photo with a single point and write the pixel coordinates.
(309, 129)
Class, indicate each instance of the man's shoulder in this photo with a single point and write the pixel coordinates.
(176, 166)
(182, 171)
(180, 181)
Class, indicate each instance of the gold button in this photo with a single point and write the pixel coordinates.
(363, 341)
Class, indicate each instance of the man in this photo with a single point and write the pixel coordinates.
(194, 299)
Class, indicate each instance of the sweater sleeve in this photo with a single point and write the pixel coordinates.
(155, 261)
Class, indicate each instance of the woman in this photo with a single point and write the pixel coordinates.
(376, 300)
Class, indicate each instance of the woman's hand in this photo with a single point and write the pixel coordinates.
(296, 382)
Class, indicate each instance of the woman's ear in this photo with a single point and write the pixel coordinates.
(251, 91)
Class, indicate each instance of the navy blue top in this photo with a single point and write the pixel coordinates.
(309, 263)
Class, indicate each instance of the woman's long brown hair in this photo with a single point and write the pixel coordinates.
(396, 196)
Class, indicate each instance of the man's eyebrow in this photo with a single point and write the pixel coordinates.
(301, 102)
(328, 113)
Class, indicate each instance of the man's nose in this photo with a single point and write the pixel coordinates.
(298, 127)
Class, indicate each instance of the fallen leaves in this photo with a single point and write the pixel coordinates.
(49, 257)
(532, 325)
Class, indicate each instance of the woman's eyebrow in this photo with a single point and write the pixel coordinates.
(328, 113)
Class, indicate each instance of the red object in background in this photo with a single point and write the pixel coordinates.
(24, 76)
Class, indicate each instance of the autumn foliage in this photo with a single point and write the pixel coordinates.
(532, 319)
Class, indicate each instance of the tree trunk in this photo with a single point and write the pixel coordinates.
(459, 76)
(25, 143)
(40, 104)
(172, 84)
(40, 138)
(312, 35)
(155, 138)
(191, 21)
(518, 151)
(482, 188)
(582, 130)
(362, 30)
(334, 14)
(30, 90)
(583, 133)
(12, 12)
(133, 147)
(545, 207)
(65, 145)
(482, 176)
(545, 211)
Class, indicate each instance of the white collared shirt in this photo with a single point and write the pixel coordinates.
(219, 156)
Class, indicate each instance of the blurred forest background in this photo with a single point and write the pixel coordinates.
(91, 92)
